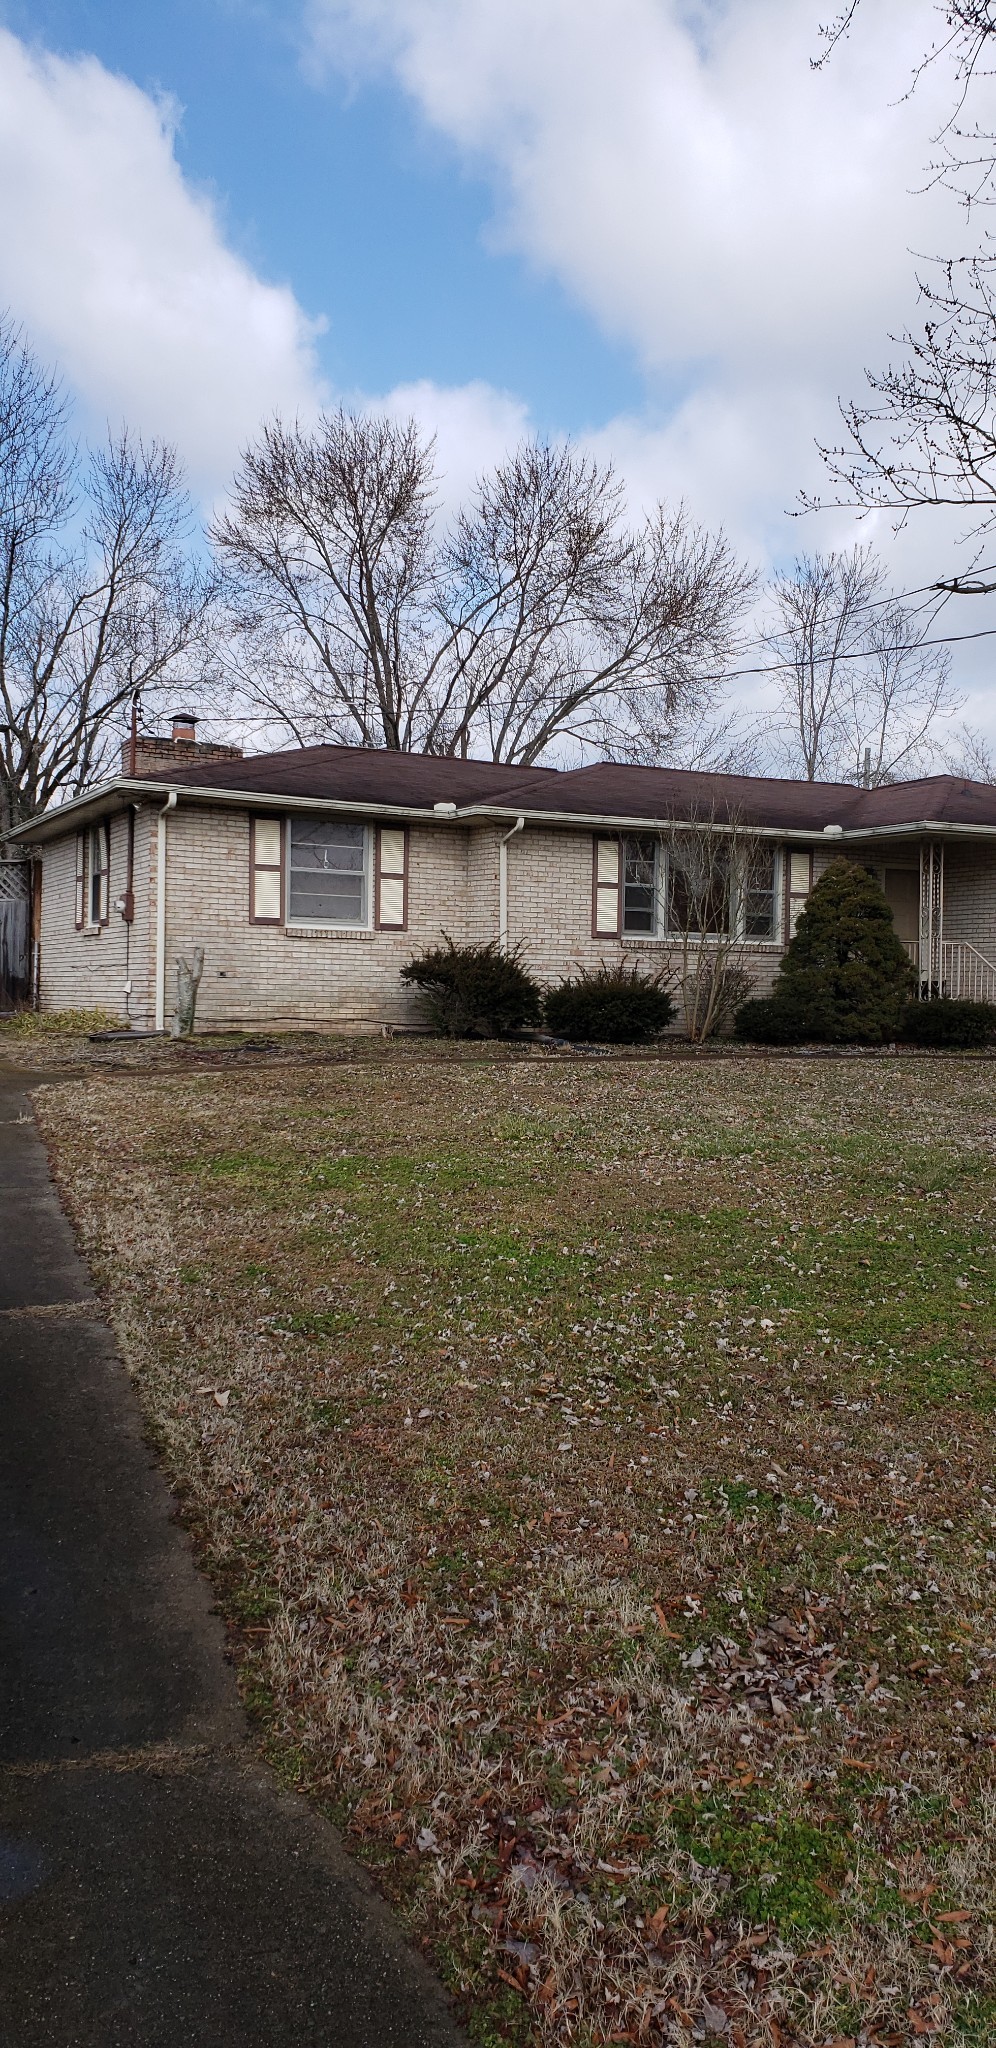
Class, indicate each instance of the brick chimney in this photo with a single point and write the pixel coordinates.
(156, 751)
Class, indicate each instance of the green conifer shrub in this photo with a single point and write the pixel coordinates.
(945, 1021)
(474, 991)
(613, 1005)
(845, 977)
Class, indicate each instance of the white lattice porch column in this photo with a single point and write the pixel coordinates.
(931, 972)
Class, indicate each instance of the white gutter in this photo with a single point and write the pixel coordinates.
(169, 805)
(519, 826)
(51, 824)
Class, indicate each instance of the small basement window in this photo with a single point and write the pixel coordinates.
(329, 873)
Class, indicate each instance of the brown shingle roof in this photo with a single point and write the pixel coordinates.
(365, 775)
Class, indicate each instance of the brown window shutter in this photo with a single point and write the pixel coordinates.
(102, 864)
(391, 878)
(799, 871)
(606, 888)
(266, 871)
(80, 880)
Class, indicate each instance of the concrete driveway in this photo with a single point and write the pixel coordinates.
(157, 1887)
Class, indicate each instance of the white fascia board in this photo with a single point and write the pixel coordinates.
(809, 835)
(124, 790)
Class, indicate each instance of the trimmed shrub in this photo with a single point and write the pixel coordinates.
(772, 1020)
(613, 1006)
(944, 1021)
(474, 991)
(845, 977)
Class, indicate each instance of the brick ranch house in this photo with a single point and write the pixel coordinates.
(310, 876)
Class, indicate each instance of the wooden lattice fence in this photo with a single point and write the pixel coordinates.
(15, 933)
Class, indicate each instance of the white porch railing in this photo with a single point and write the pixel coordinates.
(966, 974)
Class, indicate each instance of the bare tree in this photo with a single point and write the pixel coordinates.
(328, 548)
(97, 599)
(927, 434)
(859, 691)
(540, 615)
(566, 622)
(970, 754)
(720, 881)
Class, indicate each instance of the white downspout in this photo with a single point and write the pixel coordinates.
(169, 805)
(519, 826)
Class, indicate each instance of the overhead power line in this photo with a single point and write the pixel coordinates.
(948, 587)
(857, 654)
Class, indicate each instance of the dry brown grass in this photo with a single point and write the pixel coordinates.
(594, 1462)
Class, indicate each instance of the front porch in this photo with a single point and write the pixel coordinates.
(943, 900)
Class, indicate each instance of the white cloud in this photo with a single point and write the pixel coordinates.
(742, 220)
(473, 424)
(120, 272)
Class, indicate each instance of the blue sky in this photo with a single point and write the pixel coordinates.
(346, 194)
(648, 223)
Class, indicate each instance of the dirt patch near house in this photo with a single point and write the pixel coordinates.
(595, 1466)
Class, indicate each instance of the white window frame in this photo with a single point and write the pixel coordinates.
(325, 924)
(662, 930)
(774, 937)
(97, 846)
(660, 869)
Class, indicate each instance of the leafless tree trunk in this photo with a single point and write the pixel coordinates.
(540, 615)
(860, 693)
(97, 599)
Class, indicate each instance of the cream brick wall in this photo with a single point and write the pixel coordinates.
(970, 895)
(89, 969)
(260, 975)
(550, 913)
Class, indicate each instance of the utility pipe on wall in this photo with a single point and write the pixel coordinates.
(519, 826)
(169, 805)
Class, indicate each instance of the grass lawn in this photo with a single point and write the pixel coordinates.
(594, 1460)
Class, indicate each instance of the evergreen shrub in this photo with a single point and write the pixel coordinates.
(845, 977)
(474, 991)
(614, 1005)
(945, 1021)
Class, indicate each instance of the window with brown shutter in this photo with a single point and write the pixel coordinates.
(392, 878)
(606, 894)
(266, 871)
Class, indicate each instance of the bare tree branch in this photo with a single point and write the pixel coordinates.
(97, 597)
(539, 617)
(861, 693)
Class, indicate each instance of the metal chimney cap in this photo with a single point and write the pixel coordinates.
(184, 718)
